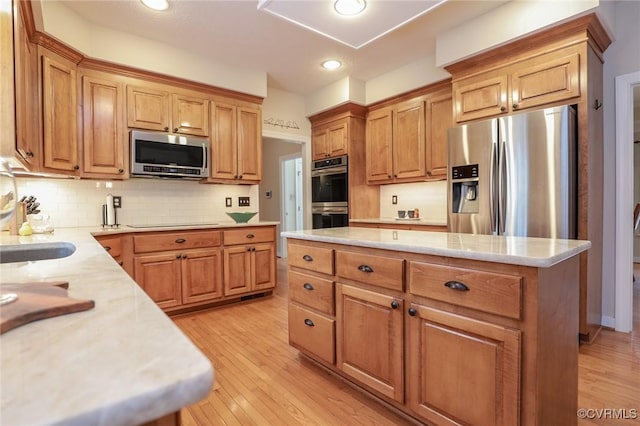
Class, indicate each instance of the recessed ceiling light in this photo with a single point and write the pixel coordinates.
(156, 4)
(331, 64)
(349, 7)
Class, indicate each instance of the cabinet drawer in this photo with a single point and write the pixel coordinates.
(380, 271)
(317, 259)
(175, 241)
(312, 333)
(317, 293)
(113, 245)
(249, 236)
(485, 291)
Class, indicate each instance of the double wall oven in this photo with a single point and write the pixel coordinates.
(330, 193)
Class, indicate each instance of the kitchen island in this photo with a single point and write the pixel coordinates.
(123, 362)
(446, 328)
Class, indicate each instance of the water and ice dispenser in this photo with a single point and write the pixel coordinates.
(464, 189)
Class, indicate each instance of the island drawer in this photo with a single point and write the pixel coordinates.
(317, 259)
(113, 245)
(175, 241)
(249, 235)
(485, 291)
(312, 333)
(381, 271)
(314, 292)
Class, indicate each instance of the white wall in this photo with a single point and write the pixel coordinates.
(283, 111)
(429, 197)
(345, 90)
(72, 202)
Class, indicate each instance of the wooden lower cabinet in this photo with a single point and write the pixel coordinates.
(369, 342)
(462, 370)
(160, 276)
(249, 268)
(201, 275)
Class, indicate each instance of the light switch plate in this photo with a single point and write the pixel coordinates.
(243, 202)
(394, 199)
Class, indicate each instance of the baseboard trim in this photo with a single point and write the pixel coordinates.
(609, 322)
(636, 260)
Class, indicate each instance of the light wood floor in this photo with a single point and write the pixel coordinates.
(261, 380)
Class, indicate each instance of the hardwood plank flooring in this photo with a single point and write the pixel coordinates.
(261, 380)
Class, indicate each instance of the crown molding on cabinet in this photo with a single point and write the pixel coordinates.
(348, 109)
(421, 91)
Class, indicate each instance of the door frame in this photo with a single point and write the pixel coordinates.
(283, 159)
(624, 201)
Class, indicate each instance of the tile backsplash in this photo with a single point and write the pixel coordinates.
(71, 202)
(429, 197)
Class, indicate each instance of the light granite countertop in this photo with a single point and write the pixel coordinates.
(526, 251)
(403, 221)
(124, 362)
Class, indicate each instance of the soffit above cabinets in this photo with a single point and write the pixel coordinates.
(378, 18)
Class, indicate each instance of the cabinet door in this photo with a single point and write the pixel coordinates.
(263, 266)
(159, 275)
(104, 132)
(147, 108)
(409, 143)
(26, 95)
(237, 270)
(249, 135)
(190, 115)
(369, 339)
(379, 146)
(545, 80)
(440, 119)
(319, 143)
(59, 109)
(224, 151)
(461, 370)
(480, 97)
(337, 138)
(201, 275)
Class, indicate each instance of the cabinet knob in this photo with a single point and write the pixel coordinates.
(365, 268)
(178, 256)
(456, 285)
(175, 130)
(184, 256)
(307, 258)
(121, 263)
(250, 236)
(166, 129)
(120, 171)
(76, 167)
(515, 106)
(395, 305)
(412, 312)
(503, 108)
(180, 240)
(308, 286)
(29, 153)
(308, 322)
(240, 176)
(107, 248)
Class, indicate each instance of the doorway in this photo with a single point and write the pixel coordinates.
(292, 218)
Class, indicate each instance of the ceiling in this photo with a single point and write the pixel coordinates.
(237, 34)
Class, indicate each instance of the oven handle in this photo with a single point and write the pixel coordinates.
(329, 171)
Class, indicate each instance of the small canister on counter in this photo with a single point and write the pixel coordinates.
(416, 213)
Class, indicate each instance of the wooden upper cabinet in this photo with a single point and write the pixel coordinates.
(190, 115)
(148, 108)
(330, 141)
(236, 146)
(409, 159)
(379, 139)
(548, 79)
(157, 109)
(103, 129)
(59, 113)
(440, 119)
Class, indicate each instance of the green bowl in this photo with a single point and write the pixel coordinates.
(242, 217)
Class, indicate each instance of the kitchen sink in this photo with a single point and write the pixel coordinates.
(31, 252)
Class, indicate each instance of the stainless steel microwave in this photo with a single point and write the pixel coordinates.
(169, 155)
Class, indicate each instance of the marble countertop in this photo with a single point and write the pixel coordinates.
(536, 252)
(123, 362)
(405, 221)
(127, 229)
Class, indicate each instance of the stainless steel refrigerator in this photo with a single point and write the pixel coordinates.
(515, 175)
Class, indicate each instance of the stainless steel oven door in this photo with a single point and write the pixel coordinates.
(329, 216)
(329, 185)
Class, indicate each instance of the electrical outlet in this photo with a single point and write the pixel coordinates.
(394, 199)
(243, 202)
(227, 202)
(117, 201)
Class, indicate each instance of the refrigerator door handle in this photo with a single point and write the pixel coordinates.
(492, 187)
(502, 191)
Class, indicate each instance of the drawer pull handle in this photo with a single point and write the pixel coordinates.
(307, 258)
(365, 268)
(456, 285)
(395, 305)
(412, 312)
(121, 263)
(180, 240)
(250, 236)
(309, 323)
(107, 248)
(308, 286)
